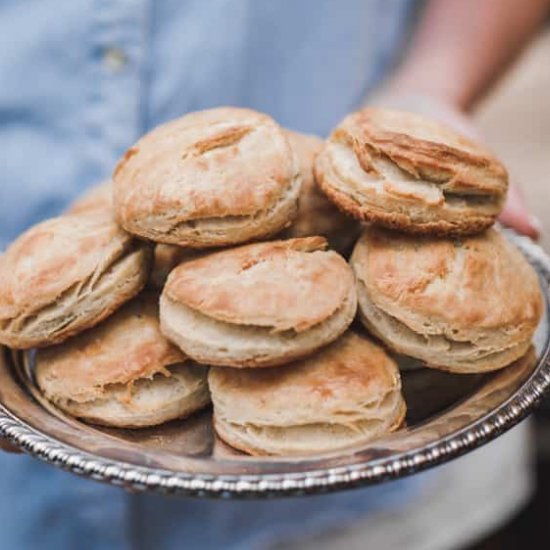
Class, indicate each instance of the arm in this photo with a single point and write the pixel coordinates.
(461, 47)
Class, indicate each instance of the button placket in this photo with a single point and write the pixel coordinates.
(114, 59)
(116, 87)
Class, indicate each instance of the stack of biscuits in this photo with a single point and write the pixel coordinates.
(212, 269)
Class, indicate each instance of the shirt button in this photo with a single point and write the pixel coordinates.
(114, 59)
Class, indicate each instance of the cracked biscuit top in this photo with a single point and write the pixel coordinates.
(211, 172)
(407, 172)
(282, 285)
(66, 274)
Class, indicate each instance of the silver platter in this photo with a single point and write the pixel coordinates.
(448, 416)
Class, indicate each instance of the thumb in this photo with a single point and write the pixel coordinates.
(517, 216)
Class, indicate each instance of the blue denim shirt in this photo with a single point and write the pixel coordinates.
(80, 81)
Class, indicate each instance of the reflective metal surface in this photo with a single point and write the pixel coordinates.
(448, 415)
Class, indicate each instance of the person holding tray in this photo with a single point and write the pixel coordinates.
(82, 81)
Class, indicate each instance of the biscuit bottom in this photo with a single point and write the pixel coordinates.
(396, 199)
(317, 436)
(145, 402)
(487, 353)
(214, 342)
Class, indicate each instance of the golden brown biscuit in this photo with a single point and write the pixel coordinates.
(123, 372)
(403, 171)
(316, 214)
(258, 305)
(65, 275)
(211, 178)
(469, 305)
(346, 394)
(97, 198)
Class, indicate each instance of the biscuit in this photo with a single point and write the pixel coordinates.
(403, 171)
(259, 305)
(316, 214)
(65, 275)
(212, 178)
(466, 306)
(346, 394)
(123, 372)
(97, 198)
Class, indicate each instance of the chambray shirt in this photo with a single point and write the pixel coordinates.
(80, 81)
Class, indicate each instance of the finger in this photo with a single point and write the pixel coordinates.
(7, 447)
(517, 216)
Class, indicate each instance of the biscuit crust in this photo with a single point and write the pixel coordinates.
(259, 304)
(346, 394)
(123, 372)
(402, 171)
(150, 402)
(211, 178)
(255, 284)
(99, 200)
(65, 275)
(466, 305)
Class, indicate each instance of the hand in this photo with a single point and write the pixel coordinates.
(7, 446)
(515, 213)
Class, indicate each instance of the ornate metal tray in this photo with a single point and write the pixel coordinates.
(449, 415)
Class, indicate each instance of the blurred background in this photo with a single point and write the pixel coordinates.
(515, 118)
